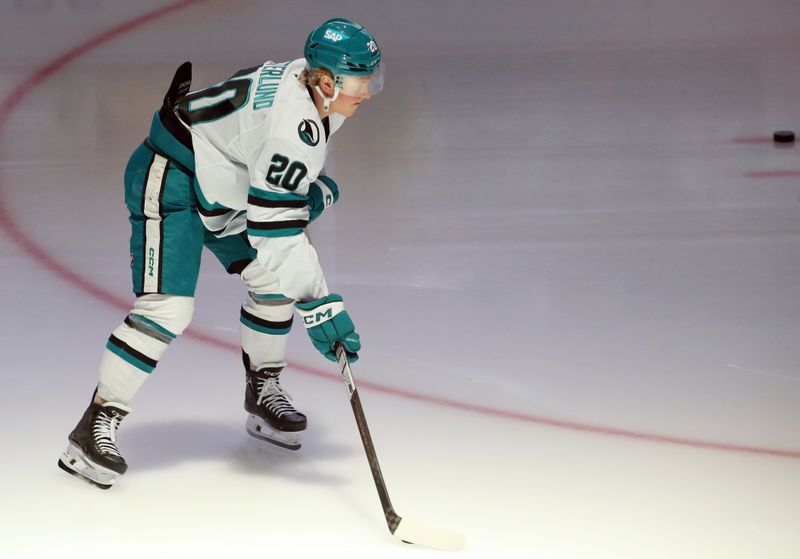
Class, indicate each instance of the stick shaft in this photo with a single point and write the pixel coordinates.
(392, 518)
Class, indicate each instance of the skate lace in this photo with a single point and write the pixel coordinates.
(105, 432)
(272, 395)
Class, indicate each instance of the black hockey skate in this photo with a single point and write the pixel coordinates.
(92, 454)
(272, 417)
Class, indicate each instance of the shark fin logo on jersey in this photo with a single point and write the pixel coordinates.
(309, 132)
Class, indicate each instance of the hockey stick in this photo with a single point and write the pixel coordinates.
(407, 530)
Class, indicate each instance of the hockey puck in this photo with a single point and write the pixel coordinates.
(783, 136)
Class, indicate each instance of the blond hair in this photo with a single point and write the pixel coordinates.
(311, 77)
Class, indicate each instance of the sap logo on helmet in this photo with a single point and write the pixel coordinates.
(373, 48)
(334, 36)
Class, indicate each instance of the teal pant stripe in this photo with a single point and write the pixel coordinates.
(275, 196)
(288, 232)
(154, 325)
(263, 329)
(129, 358)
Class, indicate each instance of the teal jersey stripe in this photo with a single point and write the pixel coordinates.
(129, 358)
(204, 202)
(275, 196)
(264, 329)
(268, 296)
(150, 324)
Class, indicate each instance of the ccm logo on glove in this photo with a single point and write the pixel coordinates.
(322, 314)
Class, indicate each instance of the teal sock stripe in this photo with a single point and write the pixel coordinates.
(275, 232)
(265, 326)
(122, 354)
(153, 325)
(264, 329)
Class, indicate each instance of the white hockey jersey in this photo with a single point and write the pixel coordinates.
(259, 143)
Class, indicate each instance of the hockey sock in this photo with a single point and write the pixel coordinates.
(265, 324)
(135, 347)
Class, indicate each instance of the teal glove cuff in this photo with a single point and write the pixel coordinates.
(327, 323)
(322, 305)
(322, 193)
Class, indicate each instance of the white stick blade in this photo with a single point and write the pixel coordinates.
(435, 538)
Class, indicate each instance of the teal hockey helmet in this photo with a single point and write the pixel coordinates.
(346, 48)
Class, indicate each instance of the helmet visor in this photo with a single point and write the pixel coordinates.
(363, 86)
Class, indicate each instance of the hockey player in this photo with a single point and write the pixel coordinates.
(236, 167)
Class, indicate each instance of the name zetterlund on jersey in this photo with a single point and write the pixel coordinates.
(268, 79)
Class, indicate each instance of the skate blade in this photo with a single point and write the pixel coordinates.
(262, 430)
(74, 462)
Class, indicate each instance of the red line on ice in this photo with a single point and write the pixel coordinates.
(40, 255)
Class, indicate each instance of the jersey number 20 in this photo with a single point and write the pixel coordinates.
(284, 174)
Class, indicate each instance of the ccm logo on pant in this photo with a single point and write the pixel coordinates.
(151, 261)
